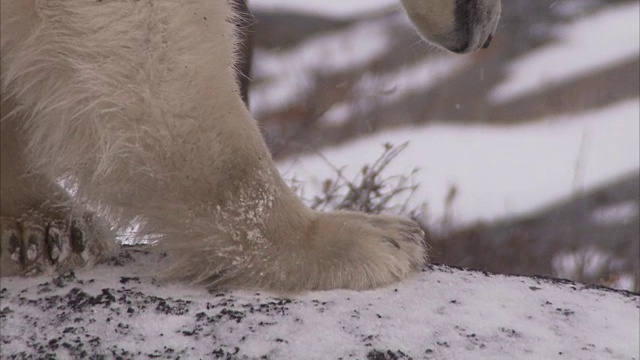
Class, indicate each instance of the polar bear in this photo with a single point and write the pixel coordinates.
(134, 105)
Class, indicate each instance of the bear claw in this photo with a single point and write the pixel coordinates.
(32, 244)
(56, 241)
(11, 242)
(78, 242)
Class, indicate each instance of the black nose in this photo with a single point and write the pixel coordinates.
(488, 42)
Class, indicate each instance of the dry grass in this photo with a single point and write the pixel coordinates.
(370, 191)
(509, 247)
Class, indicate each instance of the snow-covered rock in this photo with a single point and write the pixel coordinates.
(119, 311)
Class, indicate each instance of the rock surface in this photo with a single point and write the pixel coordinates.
(119, 311)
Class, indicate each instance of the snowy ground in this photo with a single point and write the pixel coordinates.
(116, 311)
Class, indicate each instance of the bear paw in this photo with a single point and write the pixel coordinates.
(360, 251)
(35, 244)
(324, 251)
(342, 250)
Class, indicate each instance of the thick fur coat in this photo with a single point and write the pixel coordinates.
(133, 104)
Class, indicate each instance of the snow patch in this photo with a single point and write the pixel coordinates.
(417, 78)
(338, 115)
(603, 39)
(284, 77)
(328, 8)
(498, 171)
(620, 213)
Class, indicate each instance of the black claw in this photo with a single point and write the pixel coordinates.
(54, 243)
(36, 243)
(77, 238)
(14, 246)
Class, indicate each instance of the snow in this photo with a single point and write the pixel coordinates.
(588, 261)
(390, 87)
(283, 77)
(592, 42)
(416, 78)
(571, 8)
(327, 8)
(620, 213)
(498, 171)
(337, 115)
(441, 313)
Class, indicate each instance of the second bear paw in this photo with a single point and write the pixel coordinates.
(358, 251)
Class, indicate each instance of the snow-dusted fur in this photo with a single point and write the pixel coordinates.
(135, 105)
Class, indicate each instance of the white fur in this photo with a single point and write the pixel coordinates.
(135, 103)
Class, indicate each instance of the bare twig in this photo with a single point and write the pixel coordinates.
(369, 191)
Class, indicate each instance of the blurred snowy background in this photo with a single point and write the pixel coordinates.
(527, 152)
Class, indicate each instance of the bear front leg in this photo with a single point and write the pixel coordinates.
(136, 102)
(265, 238)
